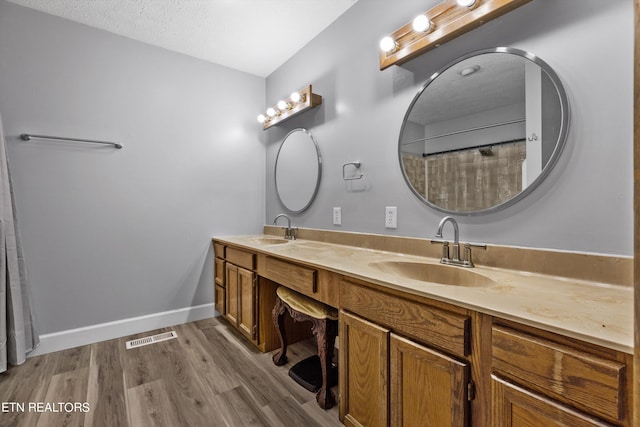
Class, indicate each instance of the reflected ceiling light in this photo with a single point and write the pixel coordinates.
(467, 71)
(387, 44)
(466, 3)
(422, 24)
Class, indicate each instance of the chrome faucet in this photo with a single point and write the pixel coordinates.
(456, 236)
(289, 233)
(454, 257)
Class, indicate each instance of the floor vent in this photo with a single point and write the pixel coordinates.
(151, 340)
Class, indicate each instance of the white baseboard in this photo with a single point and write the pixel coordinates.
(120, 328)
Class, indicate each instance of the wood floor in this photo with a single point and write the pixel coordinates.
(208, 376)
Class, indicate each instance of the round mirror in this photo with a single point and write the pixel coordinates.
(298, 170)
(483, 132)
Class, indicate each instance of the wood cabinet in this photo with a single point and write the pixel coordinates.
(516, 406)
(321, 285)
(428, 388)
(236, 289)
(447, 329)
(410, 360)
(242, 300)
(242, 291)
(551, 380)
(248, 303)
(389, 379)
(219, 273)
(231, 278)
(363, 372)
(245, 299)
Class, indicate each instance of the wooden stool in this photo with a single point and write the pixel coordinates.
(325, 328)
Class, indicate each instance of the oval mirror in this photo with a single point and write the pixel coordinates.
(298, 170)
(483, 132)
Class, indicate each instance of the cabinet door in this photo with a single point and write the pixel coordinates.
(220, 299)
(231, 279)
(247, 303)
(219, 272)
(515, 406)
(364, 372)
(427, 387)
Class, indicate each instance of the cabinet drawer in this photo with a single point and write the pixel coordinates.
(435, 326)
(296, 277)
(218, 250)
(241, 258)
(515, 406)
(589, 382)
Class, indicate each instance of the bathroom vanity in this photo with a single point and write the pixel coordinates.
(246, 279)
(522, 336)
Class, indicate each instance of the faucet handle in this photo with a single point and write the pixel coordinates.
(466, 259)
(292, 233)
(476, 245)
(445, 247)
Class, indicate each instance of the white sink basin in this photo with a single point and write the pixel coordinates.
(269, 241)
(434, 273)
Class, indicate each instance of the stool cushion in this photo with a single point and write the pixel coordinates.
(306, 305)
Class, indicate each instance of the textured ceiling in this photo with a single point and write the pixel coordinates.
(255, 36)
(498, 82)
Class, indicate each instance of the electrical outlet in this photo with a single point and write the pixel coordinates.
(337, 216)
(391, 217)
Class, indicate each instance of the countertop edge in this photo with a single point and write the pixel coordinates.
(244, 241)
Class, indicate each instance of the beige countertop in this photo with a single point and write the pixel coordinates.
(598, 313)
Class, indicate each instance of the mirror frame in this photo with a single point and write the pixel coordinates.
(555, 155)
(319, 175)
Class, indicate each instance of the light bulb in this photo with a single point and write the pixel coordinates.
(295, 97)
(421, 24)
(387, 44)
(262, 118)
(466, 3)
(282, 105)
(271, 112)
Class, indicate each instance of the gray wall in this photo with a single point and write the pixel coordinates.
(585, 204)
(114, 234)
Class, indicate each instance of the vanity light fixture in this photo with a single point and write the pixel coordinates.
(387, 44)
(466, 3)
(297, 103)
(283, 105)
(443, 22)
(422, 24)
(295, 97)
